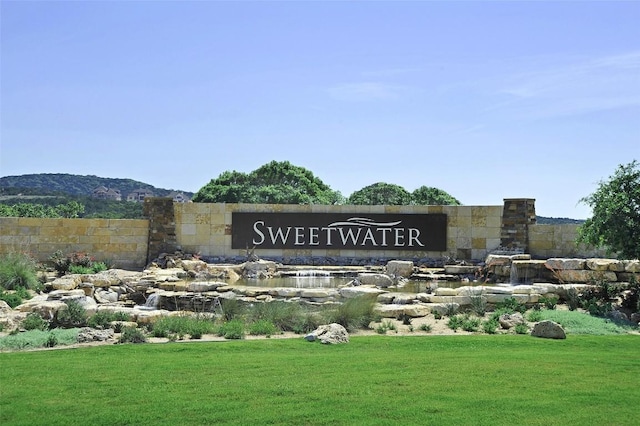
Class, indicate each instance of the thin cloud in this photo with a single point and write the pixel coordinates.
(597, 84)
(366, 91)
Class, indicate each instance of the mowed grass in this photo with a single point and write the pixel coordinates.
(374, 380)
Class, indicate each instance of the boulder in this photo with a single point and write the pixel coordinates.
(68, 282)
(400, 268)
(548, 330)
(444, 308)
(352, 292)
(258, 269)
(378, 280)
(508, 321)
(4, 308)
(585, 276)
(605, 265)
(329, 334)
(106, 296)
(631, 265)
(87, 334)
(556, 264)
(460, 269)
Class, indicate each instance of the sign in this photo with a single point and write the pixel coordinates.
(339, 231)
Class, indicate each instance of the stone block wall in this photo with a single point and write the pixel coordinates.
(547, 241)
(472, 231)
(120, 242)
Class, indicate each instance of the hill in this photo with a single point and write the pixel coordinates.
(79, 185)
(542, 220)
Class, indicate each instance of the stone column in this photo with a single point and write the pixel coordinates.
(517, 215)
(162, 226)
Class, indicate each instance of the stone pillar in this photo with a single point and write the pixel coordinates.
(517, 215)
(162, 226)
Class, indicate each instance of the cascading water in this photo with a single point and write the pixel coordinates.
(312, 279)
(152, 301)
(514, 277)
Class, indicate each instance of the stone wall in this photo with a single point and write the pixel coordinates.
(472, 231)
(119, 242)
(547, 241)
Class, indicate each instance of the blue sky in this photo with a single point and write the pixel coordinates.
(485, 100)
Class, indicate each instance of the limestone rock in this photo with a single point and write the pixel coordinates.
(556, 264)
(585, 276)
(258, 269)
(352, 292)
(329, 334)
(460, 269)
(444, 291)
(378, 280)
(87, 334)
(605, 265)
(68, 282)
(632, 265)
(106, 296)
(548, 330)
(400, 268)
(444, 308)
(508, 321)
(4, 307)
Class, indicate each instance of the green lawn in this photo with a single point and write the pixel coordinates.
(480, 380)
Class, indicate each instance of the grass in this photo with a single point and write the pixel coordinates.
(575, 322)
(444, 380)
(38, 338)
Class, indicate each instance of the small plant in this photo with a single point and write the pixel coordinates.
(437, 315)
(14, 298)
(478, 304)
(410, 328)
(132, 335)
(521, 328)
(75, 263)
(233, 329)
(490, 326)
(385, 326)
(18, 270)
(549, 302)
(103, 319)
(534, 316)
(73, 316)
(470, 324)
(426, 328)
(231, 309)
(262, 327)
(455, 322)
(510, 305)
(51, 341)
(34, 321)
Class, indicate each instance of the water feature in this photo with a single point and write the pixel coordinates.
(513, 274)
(151, 303)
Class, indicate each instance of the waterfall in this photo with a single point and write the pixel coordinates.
(513, 274)
(312, 273)
(152, 301)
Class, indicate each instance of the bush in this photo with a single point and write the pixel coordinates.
(511, 305)
(14, 298)
(425, 328)
(285, 316)
(549, 302)
(181, 325)
(34, 321)
(534, 316)
(470, 324)
(231, 308)
(353, 314)
(132, 335)
(18, 270)
(75, 263)
(262, 327)
(103, 319)
(233, 329)
(521, 328)
(73, 316)
(455, 322)
(490, 326)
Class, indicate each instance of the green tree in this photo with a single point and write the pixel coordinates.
(273, 183)
(71, 209)
(615, 224)
(429, 196)
(380, 194)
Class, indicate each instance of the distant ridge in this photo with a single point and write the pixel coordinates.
(78, 184)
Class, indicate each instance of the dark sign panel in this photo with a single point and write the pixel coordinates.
(339, 231)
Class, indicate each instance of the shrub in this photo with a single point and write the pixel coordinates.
(231, 308)
(74, 315)
(478, 304)
(354, 313)
(285, 316)
(34, 321)
(511, 305)
(75, 263)
(262, 327)
(132, 335)
(573, 299)
(233, 329)
(549, 302)
(103, 319)
(406, 319)
(437, 315)
(385, 326)
(425, 328)
(51, 341)
(490, 326)
(455, 322)
(470, 324)
(534, 316)
(13, 299)
(18, 270)
(521, 328)
(180, 325)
